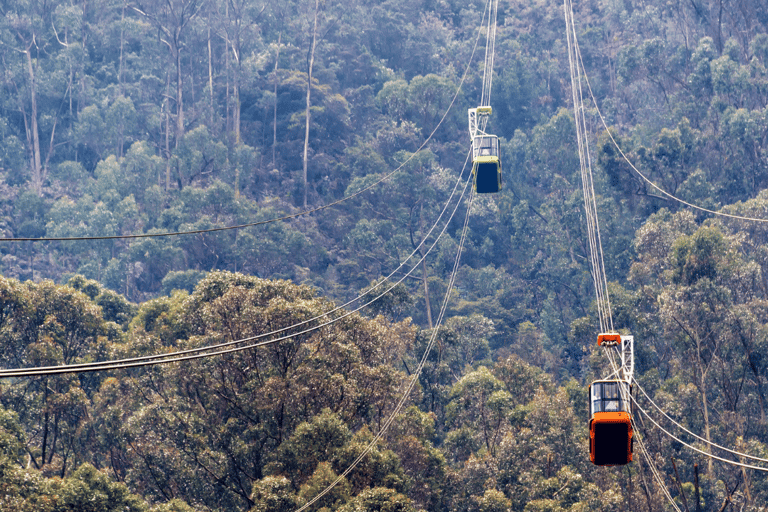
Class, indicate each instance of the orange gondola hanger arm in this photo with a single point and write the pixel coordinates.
(609, 339)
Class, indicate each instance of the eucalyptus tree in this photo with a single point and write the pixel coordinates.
(705, 285)
(172, 20)
(29, 42)
(48, 324)
(249, 415)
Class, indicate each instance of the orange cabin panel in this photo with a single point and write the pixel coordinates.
(610, 438)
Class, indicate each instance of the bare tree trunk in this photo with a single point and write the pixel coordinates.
(236, 100)
(426, 291)
(744, 336)
(423, 266)
(274, 120)
(705, 405)
(645, 487)
(210, 76)
(45, 424)
(744, 475)
(179, 99)
(33, 135)
(679, 485)
(167, 135)
(120, 62)
(120, 87)
(707, 433)
(696, 487)
(309, 92)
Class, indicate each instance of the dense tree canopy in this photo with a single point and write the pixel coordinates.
(151, 118)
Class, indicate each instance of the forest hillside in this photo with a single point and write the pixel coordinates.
(183, 174)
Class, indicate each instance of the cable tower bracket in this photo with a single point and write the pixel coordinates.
(626, 347)
(474, 115)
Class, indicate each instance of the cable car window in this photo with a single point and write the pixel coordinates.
(486, 146)
(606, 397)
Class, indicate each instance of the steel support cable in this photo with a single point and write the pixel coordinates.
(643, 176)
(699, 438)
(702, 452)
(654, 469)
(585, 164)
(213, 350)
(597, 259)
(490, 52)
(194, 353)
(276, 219)
(278, 331)
(628, 397)
(691, 205)
(417, 372)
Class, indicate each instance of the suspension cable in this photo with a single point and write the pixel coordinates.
(699, 438)
(588, 189)
(197, 353)
(6, 372)
(627, 397)
(490, 52)
(654, 469)
(738, 217)
(642, 176)
(697, 450)
(159, 359)
(417, 372)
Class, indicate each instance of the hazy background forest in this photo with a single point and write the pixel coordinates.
(139, 117)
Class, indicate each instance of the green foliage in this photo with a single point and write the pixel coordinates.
(312, 443)
(273, 494)
(90, 490)
(321, 479)
(378, 499)
(152, 119)
(174, 505)
(698, 256)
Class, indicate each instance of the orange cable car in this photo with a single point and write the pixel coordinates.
(611, 439)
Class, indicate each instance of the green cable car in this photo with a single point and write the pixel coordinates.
(486, 165)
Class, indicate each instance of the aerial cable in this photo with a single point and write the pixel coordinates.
(414, 377)
(422, 362)
(654, 469)
(172, 357)
(644, 177)
(702, 452)
(197, 353)
(111, 364)
(160, 359)
(626, 395)
(681, 427)
(590, 206)
(430, 344)
(573, 46)
(490, 52)
(275, 219)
